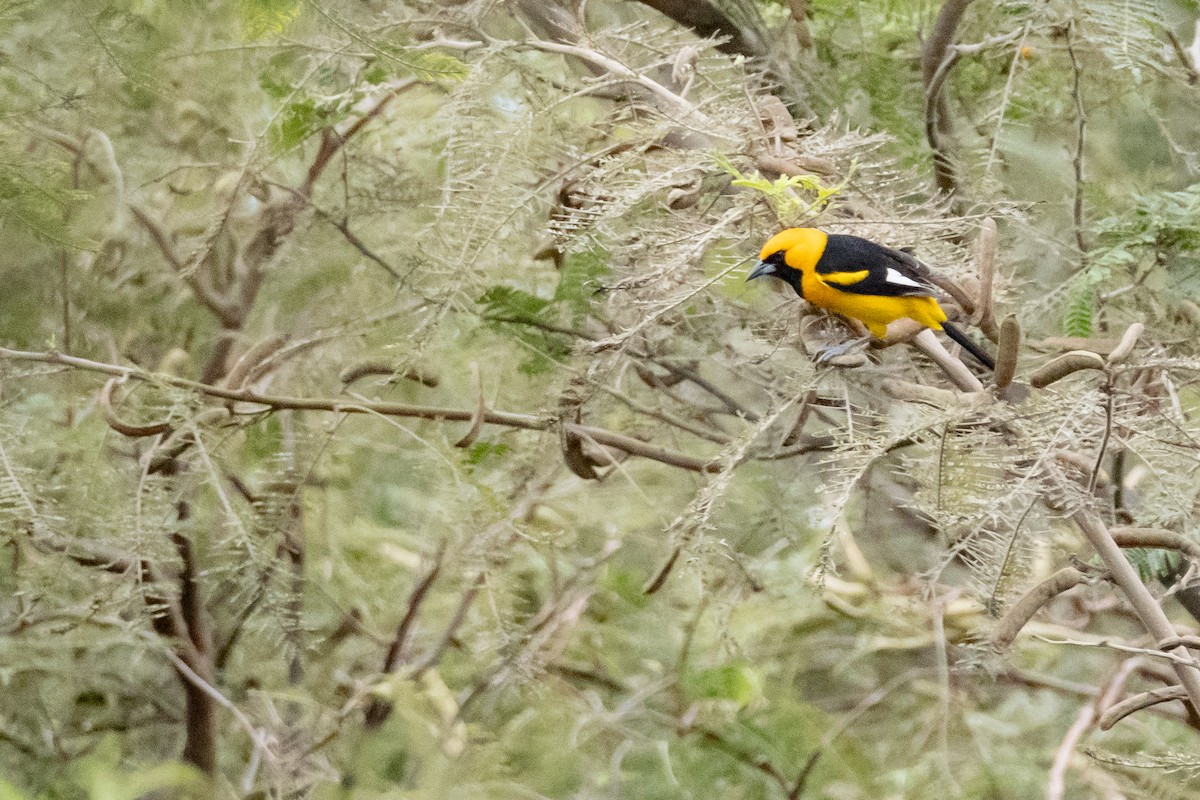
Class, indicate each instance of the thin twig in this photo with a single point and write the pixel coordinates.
(379, 709)
(1088, 714)
(509, 419)
(258, 736)
(1108, 426)
(760, 763)
(1077, 161)
(732, 405)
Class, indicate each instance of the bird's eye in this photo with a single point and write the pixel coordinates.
(776, 259)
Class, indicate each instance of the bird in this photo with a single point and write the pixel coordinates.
(860, 279)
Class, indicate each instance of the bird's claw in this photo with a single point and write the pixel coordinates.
(833, 351)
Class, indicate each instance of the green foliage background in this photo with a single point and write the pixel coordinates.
(511, 229)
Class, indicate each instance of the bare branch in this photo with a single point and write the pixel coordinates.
(333, 141)
(476, 425)
(222, 307)
(799, 11)
(1156, 538)
(1137, 702)
(614, 67)
(509, 419)
(1088, 714)
(379, 709)
(236, 378)
(1081, 130)
(1144, 603)
(937, 59)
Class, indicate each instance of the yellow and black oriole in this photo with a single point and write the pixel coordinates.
(860, 279)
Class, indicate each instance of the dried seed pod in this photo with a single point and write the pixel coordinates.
(1122, 350)
(1006, 354)
(1062, 366)
(1024, 609)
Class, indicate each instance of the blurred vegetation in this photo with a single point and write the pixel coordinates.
(383, 412)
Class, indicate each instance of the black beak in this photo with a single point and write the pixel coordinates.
(761, 268)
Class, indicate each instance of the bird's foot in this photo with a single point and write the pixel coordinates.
(828, 354)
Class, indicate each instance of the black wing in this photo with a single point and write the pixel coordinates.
(888, 272)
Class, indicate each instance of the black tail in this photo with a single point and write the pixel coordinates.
(980, 355)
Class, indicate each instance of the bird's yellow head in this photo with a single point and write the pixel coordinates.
(789, 253)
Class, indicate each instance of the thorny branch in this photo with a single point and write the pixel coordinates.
(619, 441)
(937, 58)
(336, 405)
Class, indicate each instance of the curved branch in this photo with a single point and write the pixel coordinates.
(118, 424)
(1137, 702)
(509, 419)
(1156, 538)
(937, 59)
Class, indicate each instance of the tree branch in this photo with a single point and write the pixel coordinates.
(509, 419)
(379, 709)
(1144, 604)
(221, 307)
(937, 59)
(1081, 129)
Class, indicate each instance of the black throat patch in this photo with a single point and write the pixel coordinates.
(785, 273)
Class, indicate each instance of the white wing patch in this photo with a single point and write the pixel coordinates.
(899, 279)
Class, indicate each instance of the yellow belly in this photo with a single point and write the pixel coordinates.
(874, 311)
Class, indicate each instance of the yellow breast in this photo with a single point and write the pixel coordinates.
(874, 311)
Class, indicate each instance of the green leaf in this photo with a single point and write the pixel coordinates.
(1078, 319)
(510, 303)
(265, 439)
(626, 584)
(483, 451)
(10, 792)
(377, 73)
(736, 682)
(36, 202)
(297, 122)
(505, 305)
(578, 279)
(103, 777)
(261, 18)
